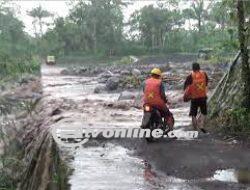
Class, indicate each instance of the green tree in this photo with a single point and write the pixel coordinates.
(12, 34)
(15, 46)
(100, 24)
(198, 12)
(38, 14)
(154, 24)
(220, 14)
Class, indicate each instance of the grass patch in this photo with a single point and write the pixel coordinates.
(14, 67)
(235, 122)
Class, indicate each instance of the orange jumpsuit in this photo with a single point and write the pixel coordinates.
(154, 95)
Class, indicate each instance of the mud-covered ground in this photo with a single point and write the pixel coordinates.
(203, 163)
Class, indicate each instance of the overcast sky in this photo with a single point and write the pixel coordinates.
(61, 8)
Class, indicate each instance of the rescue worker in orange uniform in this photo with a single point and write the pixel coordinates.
(154, 95)
(196, 85)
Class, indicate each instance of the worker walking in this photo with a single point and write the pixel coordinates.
(195, 88)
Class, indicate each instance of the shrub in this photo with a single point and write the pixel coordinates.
(235, 121)
(15, 66)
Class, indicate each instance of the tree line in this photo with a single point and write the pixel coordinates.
(99, 27)
(16, 46)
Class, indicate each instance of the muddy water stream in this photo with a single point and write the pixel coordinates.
(103, 164)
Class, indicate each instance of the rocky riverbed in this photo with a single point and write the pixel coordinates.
(203, 163)
(130, 76)
(68, 100)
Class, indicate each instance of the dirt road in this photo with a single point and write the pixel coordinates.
(203, 163)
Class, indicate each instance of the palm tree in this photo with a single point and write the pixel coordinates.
(38, 14)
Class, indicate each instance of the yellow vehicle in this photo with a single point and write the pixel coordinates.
(50, 60)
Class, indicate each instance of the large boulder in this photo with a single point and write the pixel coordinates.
(65, 72)
(99, 89)
(26, 79)
(82, 70)
(112, 83)
(95, 71)
(103, 77)
(106, 74)
(136, 72)
(125, 72)
(126, 95)
(102, 80)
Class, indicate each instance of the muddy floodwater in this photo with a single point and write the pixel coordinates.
(232, 175)
(107, 164)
